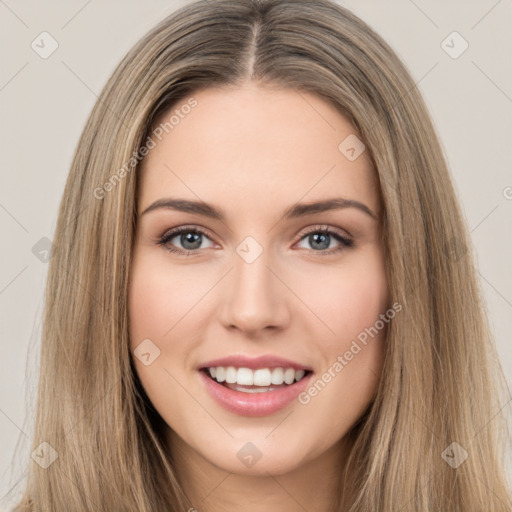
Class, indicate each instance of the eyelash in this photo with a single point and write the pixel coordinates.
(345, 242)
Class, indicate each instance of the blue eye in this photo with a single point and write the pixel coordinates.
(321, 238)
(191, 239)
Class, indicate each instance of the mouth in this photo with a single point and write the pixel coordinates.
(260, 380)
(268, 392)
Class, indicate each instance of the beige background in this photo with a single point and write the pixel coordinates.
(44, 104)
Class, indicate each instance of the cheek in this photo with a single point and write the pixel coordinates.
(351, 298)
(156, 306)
(353, 352)
(159, 297)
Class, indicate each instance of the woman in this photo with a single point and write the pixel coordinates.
(261, 295)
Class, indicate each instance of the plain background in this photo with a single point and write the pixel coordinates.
(44, 104)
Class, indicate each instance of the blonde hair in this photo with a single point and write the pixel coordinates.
(441, 380)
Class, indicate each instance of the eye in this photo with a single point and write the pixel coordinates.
(320, 238)
(190, 239)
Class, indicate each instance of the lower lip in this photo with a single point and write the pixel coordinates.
(254, 404)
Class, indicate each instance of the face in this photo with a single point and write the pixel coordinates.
(245, 276)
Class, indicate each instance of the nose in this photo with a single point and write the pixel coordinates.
(256, 299)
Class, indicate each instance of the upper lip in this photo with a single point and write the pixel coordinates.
(265, 361)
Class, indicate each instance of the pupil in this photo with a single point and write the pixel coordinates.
(314, 239)
(189, 238)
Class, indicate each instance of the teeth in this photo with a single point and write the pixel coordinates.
(289, 375)
(231, 375)
(261, 377)
(277, 376)
(299, 374)
(218, 373)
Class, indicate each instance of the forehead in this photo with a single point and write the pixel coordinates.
(243, 143)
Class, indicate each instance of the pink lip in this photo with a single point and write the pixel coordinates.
(266, 361)
(253, 404)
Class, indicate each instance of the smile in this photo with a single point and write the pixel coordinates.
(258, 392)
(250, 380)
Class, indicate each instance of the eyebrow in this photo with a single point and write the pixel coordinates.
(295, 211)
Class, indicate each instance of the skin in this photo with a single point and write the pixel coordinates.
(253, 152)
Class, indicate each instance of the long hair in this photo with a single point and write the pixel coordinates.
(438, 399)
